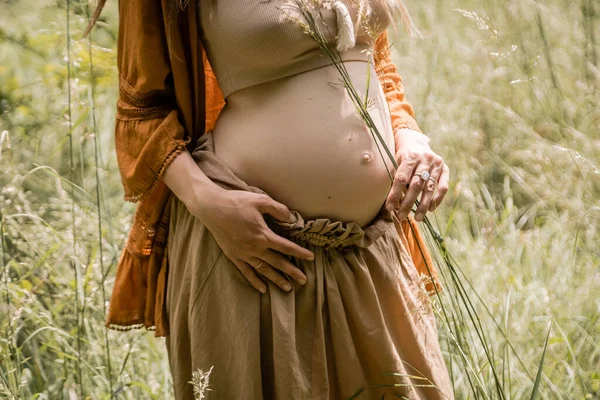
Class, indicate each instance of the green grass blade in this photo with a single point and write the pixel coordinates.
(538, 377)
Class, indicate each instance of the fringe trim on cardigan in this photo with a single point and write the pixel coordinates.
(125, 328)
(170, 157)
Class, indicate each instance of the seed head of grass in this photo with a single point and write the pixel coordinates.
(200, 382)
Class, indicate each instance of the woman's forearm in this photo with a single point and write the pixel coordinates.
(189, 183)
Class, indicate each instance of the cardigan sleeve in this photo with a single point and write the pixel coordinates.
(148, 132)
(401, 112)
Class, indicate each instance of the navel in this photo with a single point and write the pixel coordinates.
(366, 157)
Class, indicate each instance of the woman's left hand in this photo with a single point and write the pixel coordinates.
(414, 156)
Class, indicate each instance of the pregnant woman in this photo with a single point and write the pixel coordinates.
(290, 273)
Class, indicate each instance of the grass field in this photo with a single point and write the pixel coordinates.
(508, 91)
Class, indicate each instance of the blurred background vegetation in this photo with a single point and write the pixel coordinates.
(509, 92)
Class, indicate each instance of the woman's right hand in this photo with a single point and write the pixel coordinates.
(235, 219)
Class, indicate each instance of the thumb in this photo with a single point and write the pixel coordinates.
(267, 205)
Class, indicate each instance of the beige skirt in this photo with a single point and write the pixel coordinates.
(361, 326)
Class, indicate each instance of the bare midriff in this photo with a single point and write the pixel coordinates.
(301, 140)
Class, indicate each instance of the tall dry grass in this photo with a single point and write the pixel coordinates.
(509, 92)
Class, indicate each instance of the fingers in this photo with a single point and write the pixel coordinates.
(271, 273)
(425, 201)
(401, 179)
(279, 262)
(408, 183)
(415, 187)
(442, 188)
(288, 247)
(429, 190)
(251, 275)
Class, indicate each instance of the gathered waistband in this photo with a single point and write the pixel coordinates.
(322, 232)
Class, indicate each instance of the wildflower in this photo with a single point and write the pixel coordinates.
(200, 383)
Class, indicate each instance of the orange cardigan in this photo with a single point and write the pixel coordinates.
(168, 96)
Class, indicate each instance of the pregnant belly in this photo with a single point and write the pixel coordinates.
(301, 140)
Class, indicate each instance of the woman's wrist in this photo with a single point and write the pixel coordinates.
(405, 135)
(189, 183)
(202, 195)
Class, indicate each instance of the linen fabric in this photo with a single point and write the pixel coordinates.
(363, 320)
(249, 43)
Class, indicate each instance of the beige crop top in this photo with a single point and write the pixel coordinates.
(251, 41)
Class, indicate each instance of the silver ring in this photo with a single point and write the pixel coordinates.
(259, 265)
(424, 175)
